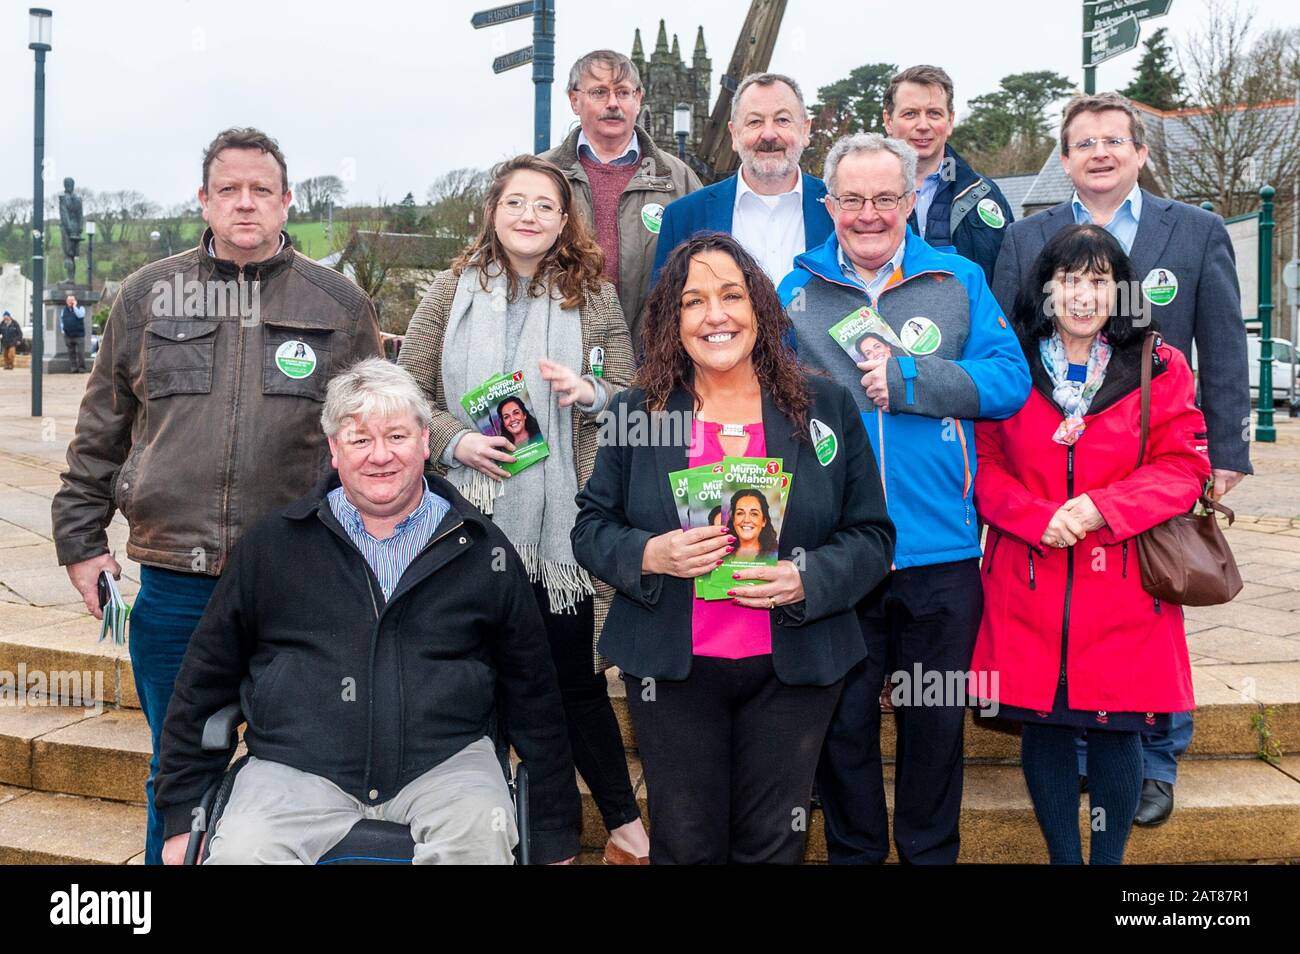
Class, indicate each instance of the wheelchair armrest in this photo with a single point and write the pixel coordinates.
(219, 729)
(522, 821)
(200, 827)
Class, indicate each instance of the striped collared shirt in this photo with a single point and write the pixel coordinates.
(389, 558)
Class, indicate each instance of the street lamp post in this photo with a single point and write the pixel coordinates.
(40, 23)
(682, 127)
(90, 255)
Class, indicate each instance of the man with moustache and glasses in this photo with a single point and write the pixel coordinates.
(621, 180)
(770, 207)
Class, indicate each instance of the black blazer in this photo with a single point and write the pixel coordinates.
(835, 521)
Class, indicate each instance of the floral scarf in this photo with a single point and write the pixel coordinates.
(1073, 397)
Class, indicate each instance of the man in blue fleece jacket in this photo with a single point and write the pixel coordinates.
(954, 359)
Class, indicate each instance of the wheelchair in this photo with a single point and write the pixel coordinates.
(370, 841)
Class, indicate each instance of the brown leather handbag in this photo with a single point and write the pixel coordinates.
(1186, 559)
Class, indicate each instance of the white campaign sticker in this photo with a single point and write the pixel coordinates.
(825, 443)
(920, 335)
(1160, 287)
(652, 217)
(295, 359)
(991, 213)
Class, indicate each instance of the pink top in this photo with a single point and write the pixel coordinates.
(721, 628)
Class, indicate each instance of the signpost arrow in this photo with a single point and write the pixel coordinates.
(1103, 13)
(1119, 37)
(510, 60)
(511, 11)
(541, 54)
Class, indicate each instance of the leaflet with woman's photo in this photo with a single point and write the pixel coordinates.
(754, 494)
(499, 407)
(864, 336)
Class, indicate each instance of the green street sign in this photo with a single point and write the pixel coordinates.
(1103, 13)
(1119, 37)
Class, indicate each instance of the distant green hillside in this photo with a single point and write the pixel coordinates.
(309, 237)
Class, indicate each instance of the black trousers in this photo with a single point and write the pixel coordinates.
(76, 353)
(593, 729)
(729, 755)
(927, 615)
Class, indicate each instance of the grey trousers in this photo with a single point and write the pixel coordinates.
(459, 812)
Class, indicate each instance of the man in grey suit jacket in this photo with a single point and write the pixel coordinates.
(1189, 279)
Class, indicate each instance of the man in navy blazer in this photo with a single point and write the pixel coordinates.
(773, 210)
(1184, 258)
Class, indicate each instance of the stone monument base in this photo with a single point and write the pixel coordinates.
(56, 346)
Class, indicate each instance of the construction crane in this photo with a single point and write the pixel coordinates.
(715, 159)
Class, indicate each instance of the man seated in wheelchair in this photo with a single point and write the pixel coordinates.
(365, 630)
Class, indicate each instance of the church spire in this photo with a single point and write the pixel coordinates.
(677, 50)
(637, 53)
(700, 48)
(661, 42)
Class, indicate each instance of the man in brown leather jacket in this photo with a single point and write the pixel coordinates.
(202, 413)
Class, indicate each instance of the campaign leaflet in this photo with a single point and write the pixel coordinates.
(679, 480)
(754, 495)
(752, 489)
(865, 335)
(704, 484)
(499, 407)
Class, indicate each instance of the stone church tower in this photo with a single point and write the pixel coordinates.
(669, 81)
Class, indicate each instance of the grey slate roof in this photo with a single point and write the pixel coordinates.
(1051, 186)
(1015, 188)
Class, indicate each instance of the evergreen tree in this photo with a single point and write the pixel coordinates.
(1157, 81)
(853, 104)
(1014, 114)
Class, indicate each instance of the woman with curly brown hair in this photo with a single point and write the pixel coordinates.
(730, 699)
(527, 295)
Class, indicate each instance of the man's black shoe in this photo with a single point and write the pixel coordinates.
(1157, 803)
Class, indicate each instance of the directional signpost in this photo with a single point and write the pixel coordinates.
(511, 11)
(510, 60)
(541, 54)
(1110, 27)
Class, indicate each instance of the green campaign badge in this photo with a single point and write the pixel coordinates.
(1160, 287)
(920, 335)
(990, 213)
(295, 359)
(652, 217)
(824, 442)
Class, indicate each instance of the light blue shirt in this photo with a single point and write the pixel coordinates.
(1123, 224)
(630, 156)
(883, 276)
(924, 197)
(389, 558)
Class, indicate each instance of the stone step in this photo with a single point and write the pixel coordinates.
(1231, 699)
(53, 647)
(75, 751)
(43, 828)
(105, 755)
(60, 644)
(1226, 810)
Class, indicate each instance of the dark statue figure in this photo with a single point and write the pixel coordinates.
(70, 222)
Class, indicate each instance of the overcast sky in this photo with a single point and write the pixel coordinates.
(391, 93)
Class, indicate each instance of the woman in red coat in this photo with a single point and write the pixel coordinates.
(1070, 642)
